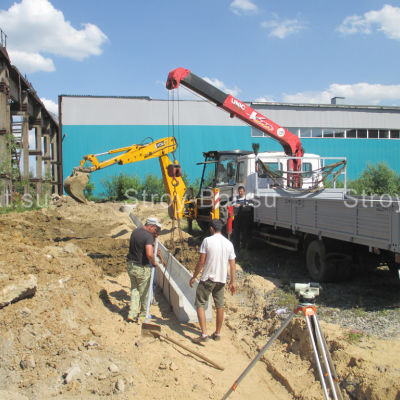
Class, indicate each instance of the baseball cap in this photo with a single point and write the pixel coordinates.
(153, 221)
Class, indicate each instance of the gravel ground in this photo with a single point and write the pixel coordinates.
(367, 304)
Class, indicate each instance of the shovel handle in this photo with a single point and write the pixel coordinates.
(189, 350)
(150, 293)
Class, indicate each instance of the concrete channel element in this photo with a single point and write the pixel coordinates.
(173, 280)
(174, 283)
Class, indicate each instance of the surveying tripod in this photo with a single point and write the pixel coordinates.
(326, 369)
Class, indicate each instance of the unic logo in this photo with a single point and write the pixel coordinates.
(238, 104)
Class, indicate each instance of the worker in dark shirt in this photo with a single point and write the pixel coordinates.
(243, 212)
(141, 259)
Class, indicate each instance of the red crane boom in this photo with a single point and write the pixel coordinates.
(289, 141)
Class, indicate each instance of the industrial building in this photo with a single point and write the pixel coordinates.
(95, 124)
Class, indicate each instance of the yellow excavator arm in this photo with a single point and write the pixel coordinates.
(75, 184)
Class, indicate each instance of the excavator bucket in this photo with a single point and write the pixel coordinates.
(75, 184)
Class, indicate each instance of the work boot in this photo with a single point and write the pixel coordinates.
(201, 339)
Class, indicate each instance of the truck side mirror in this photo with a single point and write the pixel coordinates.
(256, 148)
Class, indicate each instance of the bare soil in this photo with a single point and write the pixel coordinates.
(77, 319)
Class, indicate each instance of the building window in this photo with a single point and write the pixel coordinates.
(334, 133)
(373, 133)
(383, 134)
(351, 133)
(337, 133)
(256, 133)
(316, 132)
(305, 132)
(295, 131)
(329, 133)
(362, 133)
(394, 134)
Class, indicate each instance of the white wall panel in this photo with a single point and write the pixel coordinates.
(87, 110)
(80, 110)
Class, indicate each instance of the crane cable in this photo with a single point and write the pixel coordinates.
(175, 181)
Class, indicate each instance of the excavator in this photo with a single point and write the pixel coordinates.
(175, 188)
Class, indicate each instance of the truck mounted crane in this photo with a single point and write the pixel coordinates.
(236, 108)
(221, 175)
(338, 233)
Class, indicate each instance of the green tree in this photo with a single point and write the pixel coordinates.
(89, 191)
(377, 180)
(195, 185)
(153, 187)
(121, 187)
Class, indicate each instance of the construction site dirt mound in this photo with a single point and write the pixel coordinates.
(69, 338)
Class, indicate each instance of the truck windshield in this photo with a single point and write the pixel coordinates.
(274, 167)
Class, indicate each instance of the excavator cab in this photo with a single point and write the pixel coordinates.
(220, 170)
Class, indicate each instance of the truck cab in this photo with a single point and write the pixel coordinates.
(227, 170)
(276, 171)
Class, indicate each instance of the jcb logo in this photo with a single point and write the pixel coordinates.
(160, 144)
(237, 103)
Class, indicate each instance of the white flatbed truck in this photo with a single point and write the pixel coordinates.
(293, 208)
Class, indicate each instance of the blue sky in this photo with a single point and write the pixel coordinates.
(288, 51)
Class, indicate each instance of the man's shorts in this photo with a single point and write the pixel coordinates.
(205, 288)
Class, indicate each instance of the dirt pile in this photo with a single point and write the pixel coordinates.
(42, 338)
(71, 340)
(368, 368)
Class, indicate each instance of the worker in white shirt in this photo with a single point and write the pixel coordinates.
(216, 252)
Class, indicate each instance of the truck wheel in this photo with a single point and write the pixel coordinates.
(318, 266)
(394, 269)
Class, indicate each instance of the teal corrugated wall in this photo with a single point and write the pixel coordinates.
(192, 141)
(80, 140)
